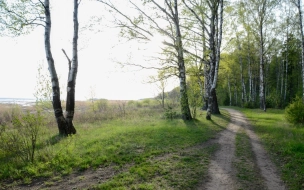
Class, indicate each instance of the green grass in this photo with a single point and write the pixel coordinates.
(135, 142)
(284, 142)
(177, 171)
(247, 172)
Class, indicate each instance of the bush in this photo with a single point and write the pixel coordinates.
(249, 105)
(19, 139)
(170, 113)
(273, 101)
(294, 112)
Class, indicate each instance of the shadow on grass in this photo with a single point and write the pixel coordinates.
(56, 139)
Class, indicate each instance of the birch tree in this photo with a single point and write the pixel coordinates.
(261, 13)
(23, 15)
(65, 124)
(165, 20)
(298, 5)
(211, 23)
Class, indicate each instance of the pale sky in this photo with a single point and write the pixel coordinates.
(20, 57)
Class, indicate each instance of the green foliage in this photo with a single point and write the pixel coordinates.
(249, 105)
(170, 113)
(273, 101)
(294, 112)
(102, 105)
(19, 139)
(20, 16)
(194, 95)
(43, 89)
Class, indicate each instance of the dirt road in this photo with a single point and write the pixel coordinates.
(223, 174)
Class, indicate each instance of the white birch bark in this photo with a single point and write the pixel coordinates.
(55, 83)
(70, 101)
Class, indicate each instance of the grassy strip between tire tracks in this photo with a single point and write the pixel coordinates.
(247, 171)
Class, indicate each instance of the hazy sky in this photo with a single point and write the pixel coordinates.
(20, 57)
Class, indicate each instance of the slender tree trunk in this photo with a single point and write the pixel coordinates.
(163, 97)
(244, 98)
(185, 109)
(206, 85)
(61, 122)
(219, 27)
(262, 82)
(216, 22)
(212, 64)
(200, 82)
(250, 78)
(282, 78)
(206, 71)
(286, 77)
(302, 44)
(65, 125)
(70, 103)
(235, 94)
(229, 91)
(278, 71)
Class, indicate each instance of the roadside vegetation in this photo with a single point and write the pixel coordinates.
(135, 138)
(284, 142)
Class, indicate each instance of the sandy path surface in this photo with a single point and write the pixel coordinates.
(221, 171)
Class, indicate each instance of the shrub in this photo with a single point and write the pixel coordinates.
(249, 105)
(170, 113)
(102, 105)
(19, 140)
(273, 101)
(294, 112)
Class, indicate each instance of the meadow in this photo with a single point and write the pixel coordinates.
(137, 145)
(146, 146)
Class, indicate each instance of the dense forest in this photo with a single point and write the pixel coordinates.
(261, 55)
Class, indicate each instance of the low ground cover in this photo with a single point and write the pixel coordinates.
(141, 144)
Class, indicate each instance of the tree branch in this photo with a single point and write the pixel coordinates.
(69, 60)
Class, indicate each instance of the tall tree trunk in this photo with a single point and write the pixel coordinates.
(200, 83)
(229, 91)
(219, 27)
(70, 102)
(302, 44)
(286, 73)
(163, 97)
(250, 78)
(243, 92)
(65, 125)
(216, 21)
(235, 94)
(185, 109)
(262, 81)
(61, 122)
(206, 85)
(282, 78)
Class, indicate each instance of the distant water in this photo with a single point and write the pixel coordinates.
(19, 101)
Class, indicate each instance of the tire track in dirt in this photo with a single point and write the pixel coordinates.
(222, 175)
(220, 169)
(267, 168)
